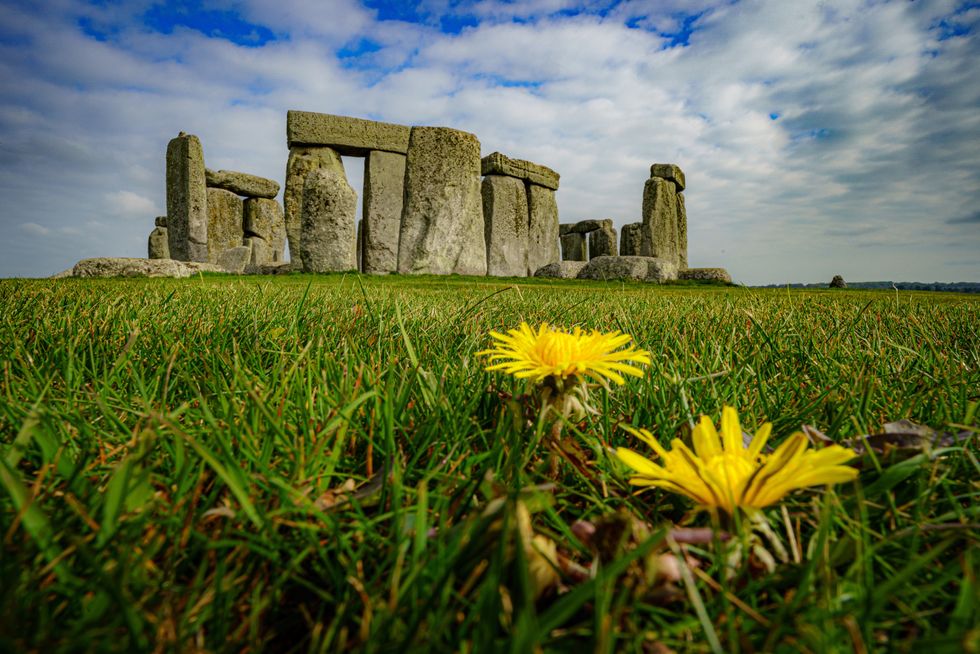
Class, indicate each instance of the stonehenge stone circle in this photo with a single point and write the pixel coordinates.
(630, 239)
(602, 242)
(187, 201)
(250, 186)
(300, 163)
(561, 269)
(505, 213)
(225, 218)
(585, 226)
(542, 233)
(348, 136)
(532, 173)
(384, 190)
(573, 247)
(442, 217)
(659, 220)
(706, 274)
(158, 246)
(328, 233)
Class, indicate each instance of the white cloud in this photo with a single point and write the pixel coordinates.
(35, 229)
(127, 203)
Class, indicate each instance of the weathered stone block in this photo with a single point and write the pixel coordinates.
(644, 269)
(384, 190)
(532, 173)
(348, 136)
(681, 233)
(264, 218)
(442, 220)
(630, 240)
(505, 215)
(225, 218)
(329, 236)
(160, 221)
(158, 246)
(130, 267)
(250, 186)
(602, 242)
(586, 226)
(301, 162)
(706, 274)
(261, 252)
(574, 247)
(233, 260)
(660, 220)
(542, 230)
(561, 269)
(187, 201)
(671, 172)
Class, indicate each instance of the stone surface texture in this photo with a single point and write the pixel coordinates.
(659, 220)
(681, 232)
(233, 260)
(442, 218)
(348, 136)
(565, 228)
(499, 164)
(301, 162)
(158, 247)
(264, 218)
(561, 269)
(602, 242)
(225, 218)
(133, 267)
(670, 172)
(160, 221)
(585, 226)
(574, 247)
(630, 240)
(249, 186)
(505, 215)
(542, 232)
(706, 274)
(384, 190)
(642, 269)
(838, 282)
(187, 201)
(261, 252)
(328, 238)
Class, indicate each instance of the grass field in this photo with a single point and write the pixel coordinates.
(322, 464)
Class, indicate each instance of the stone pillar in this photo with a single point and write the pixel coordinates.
(573, 247)
(157, 246)
(602, 242)
(187, 201)
(303, 160)
(359, 247)
(265, 230)
(442, 218)
(505, 215)
(225, 219)
(681, 232)
(630, 240)
(328, 236)
(384, 189)
(659, 220)
(542, 248)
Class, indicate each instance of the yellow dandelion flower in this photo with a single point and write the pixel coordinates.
(723, 473)
(548, 352)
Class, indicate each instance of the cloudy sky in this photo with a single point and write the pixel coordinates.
(818, 137)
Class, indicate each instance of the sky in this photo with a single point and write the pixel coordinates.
(817, 137)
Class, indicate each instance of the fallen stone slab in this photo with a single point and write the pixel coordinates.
(329, 233)
(602, 242)
(301, 162)
(532, 173)
(630, 240)
(640, 269)
(225, 218)
(187, 200)
(505, 216)
(249, 186)
(706, 274)
(561, 269)
(131, 267)
(574, 247)
(234, 260)
(542, 230)
(671, 172)
(347, 135)
(384, 191)
(158, 246)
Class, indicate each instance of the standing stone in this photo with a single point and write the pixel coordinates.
(681, 232)
(158, 247)
(542, 232)
(328, 240)
(187, 201)
(303, 160)
(573, 247)
(249, 186)
(630, 240)
(671, 172)
(384, 189)
(359, 246)
(225, 217)
(602, 242)
(442, 219)
(264, 219)
(660, 220)
(505, 214)
(838, 282)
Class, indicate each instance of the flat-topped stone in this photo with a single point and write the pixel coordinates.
(133, 267)
(670, 172)
(706, 274)
(641, 269)
(561, 269)
(249, 186)
(585, 226)
(499, 164)
(348, 136)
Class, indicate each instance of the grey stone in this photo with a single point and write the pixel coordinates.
(130, 267)
(158, 246)
(261, 252)
(574, 247)
(225, 218)
(195, 267)
(359, 247)
(384, 190)
(348, 136)
(233, 260)
(561, 269)
(586, 226)
(264, 218)
(681, 232)
(532, 173)
(505, 215)
(328, 239)
(250, 186)
(602, 242)
(565, 228)
(187, 200)
(630, 240)
(838, 282)
(644, 269)
(706, 274)
(659, 220)
(160, 221)
(301, 162)
(670, 172)
(442, 218)
(542, 231)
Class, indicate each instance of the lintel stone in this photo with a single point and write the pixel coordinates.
(499, 164)
(354, 137)
(671, 172)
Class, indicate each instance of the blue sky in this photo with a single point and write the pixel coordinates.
(818, 138)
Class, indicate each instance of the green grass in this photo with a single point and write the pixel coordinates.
(174, 456)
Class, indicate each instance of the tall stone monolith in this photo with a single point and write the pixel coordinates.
(681, 232)
(303, 160)
(328, 235)
(384, 190)
(602, 242)
(264, 221)
(225, 218)
(542, 232)
(187, 201)
(442, 217)
(505, 215)
(660, 220)
(573, 247)
(630, 240)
